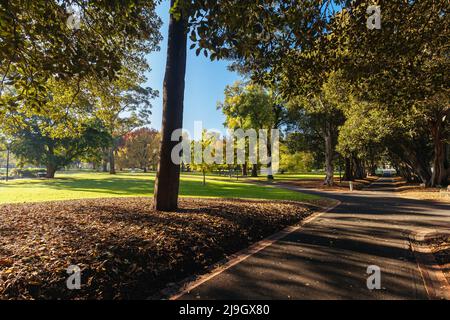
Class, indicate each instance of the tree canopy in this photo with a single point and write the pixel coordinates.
(39, 45)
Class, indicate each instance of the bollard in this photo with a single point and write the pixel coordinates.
(351, 186)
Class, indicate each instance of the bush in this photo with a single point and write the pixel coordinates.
(297, 162)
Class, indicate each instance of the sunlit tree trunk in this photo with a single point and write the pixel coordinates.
(105, 159)
(112, 161)
(51, 170)
(329, 155)
(168, 175)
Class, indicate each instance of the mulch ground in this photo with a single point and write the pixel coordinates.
(125, 249)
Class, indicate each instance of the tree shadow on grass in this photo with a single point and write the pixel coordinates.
(120, 186)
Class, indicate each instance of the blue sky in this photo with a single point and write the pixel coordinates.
(205, 83)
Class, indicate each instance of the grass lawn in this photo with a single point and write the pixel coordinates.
(70, 186)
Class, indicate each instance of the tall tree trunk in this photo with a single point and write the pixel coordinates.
(373, 170)
(348, 175)
(440, 174)
(105, 165)
(329, 155)
(168, 176)
(112, 161)
(371, 162)
(423, 173)
(359, 170)
(51, 165)
(404, 170)
(51, 170)
(373, 167)
(105, 159)
(418, 164)
(245, 169)
(447, 158)
(254, 170)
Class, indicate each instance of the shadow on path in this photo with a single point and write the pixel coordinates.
(328, 258)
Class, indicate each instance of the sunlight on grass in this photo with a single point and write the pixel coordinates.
(101, 185)
(296, 176)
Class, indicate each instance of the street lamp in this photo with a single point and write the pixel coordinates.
(8, 147)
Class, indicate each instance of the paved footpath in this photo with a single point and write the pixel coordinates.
(328, 258)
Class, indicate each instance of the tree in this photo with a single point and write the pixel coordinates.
(403, 67)
(200, 149)
(297, 162)
(362, 134)
(140, 149)
(39, 44)
(32, 145)
(317, 114)
(305, 59)
(122, 104)
(250, 106)
(49, 65)
(168, 176)
(400, 68)
(228, 29)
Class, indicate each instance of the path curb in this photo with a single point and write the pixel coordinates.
(435, 282)
(187, 285)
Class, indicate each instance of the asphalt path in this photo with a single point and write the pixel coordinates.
(329, 257)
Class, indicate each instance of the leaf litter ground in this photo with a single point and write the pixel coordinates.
(125, 249)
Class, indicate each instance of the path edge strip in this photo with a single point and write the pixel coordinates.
(434, 280)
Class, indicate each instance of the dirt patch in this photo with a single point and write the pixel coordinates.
(440, 247)
(125, 249)
(432, 194)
